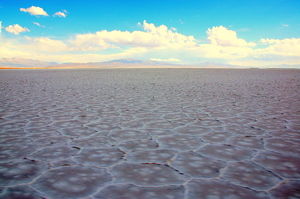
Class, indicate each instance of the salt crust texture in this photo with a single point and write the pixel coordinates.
(149, 133)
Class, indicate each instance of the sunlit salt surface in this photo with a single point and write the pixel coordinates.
(149, 133)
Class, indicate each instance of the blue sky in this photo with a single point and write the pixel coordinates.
(246, 33)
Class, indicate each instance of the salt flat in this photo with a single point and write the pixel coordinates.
(150, 133)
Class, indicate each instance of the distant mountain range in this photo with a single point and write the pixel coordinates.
(24, 63)
(19, 63)
(119, 63)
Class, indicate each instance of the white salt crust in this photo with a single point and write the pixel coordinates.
(149, 133)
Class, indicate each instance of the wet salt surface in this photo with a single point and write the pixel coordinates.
(149, 133)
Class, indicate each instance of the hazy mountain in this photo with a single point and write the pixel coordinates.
(119, 63)
(216, 65)
(23, 63)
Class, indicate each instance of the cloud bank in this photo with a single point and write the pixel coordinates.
(158, 43)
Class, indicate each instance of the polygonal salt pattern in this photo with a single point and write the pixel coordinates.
(71, 181)
(216, 137)
(284, 165)
(244, 130)
(16, 140)
(131, 191)
(197, 166)
(12, 152)
(63, 162)
(67, 124)
(103, 126)
(21, 192)
(132, 124)
(162, 124)
(283, 146)
(157, 132)
(20, 172)
(191, 130)
(99, 157)
(180, 142)
(287, 134)
(52, 141)
(161, 156)
(149, 115)
(147, 174)
(13, 125)
(226, 152)
(7, 134)
(173, 116)
(77, 132)
(137, 145)
(39, 122)
(250, 175)
(238, 120)
(269, 125)
(251, 142)
(128, 134)
(219, 189)
(84, 116)
(54, 153)
(43, 132)
(288, 189)
(207, 122)
(94, 141)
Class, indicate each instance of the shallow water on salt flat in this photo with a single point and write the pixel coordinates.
(149, 133)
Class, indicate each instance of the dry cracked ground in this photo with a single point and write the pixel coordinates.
(150, 133)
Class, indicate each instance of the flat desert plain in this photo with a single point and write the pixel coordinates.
(150, 133)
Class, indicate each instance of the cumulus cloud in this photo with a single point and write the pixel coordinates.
(167, 60)
(16, 29)
(90, 42)
(47, 49)
(38, 24)
(34, 10)
(151, 37)
(286, 47)
(223, 37)
(46, 44)
(60, 14)
(157, 43)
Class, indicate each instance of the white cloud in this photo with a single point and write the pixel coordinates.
(45, 44)
(152, 37)
(34, 10)
(38, 24)
(16, 29)
(167, 60)
(157, 43)
(221, 52)
(285, 47)
(223, 37)
(60, 14)
(47, 49)
(11, 48)
(90, 42)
